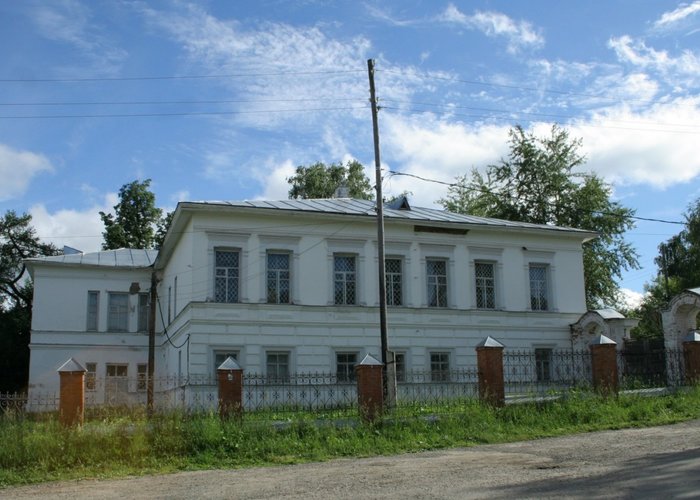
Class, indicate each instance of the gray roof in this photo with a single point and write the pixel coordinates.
(349, 206)
(609, 314)
(696, 291)
(122, 258)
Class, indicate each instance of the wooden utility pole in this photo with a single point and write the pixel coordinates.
(389, 385)
(151, 343)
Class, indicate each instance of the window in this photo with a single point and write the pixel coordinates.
(400, 366)
(543, 364)
(93, 307)
(114, 370)
(220, 357)
(485, 285)
(538, 287)
(278, 366)
(278, 278)
(90, 376)
(394, 287)
(118, 312)
(226, 275)
(437, 282)
(141, 377)
(345, 366)
(439, 366)
(144, 310)
(344, 279)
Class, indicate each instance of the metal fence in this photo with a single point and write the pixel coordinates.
(545, 371)
(538, 373)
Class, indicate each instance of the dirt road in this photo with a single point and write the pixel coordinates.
(657, 462)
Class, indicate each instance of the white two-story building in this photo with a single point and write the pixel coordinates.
(291, 286)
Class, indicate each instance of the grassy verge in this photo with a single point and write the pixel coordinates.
(34, 451)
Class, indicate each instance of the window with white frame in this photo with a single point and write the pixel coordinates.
(144, 310)
(543, 364)
(436, 273)
(394, 281)
(345, 366)
(344, 279)
(90, 376)
(277, 366)
(226, 275)
(538, 287)
(142, 377)
(221, 356)
(93, 307)
(278, 278)
(485, 285)
(116, 381)
(118, 312)
(439, 366)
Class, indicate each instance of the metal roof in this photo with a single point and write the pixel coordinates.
(696, 291)
(349, 206)
(122, 258)
(609, 314)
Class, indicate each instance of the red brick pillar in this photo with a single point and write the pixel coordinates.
(489, 360)
(370, 389)
(691, 356)
(71, 405)
(604, 365)
(230, 382)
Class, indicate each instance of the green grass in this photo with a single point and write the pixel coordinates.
(35, 450)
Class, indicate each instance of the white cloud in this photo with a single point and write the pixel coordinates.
(180, 196)
(657, 147)
(69, 21)
(80, 229)
(630, 298)
(637, 53)
(675, 16)
(519, 34)
(17, 168)
(274, 179)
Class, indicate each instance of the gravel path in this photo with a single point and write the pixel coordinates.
(637, 463)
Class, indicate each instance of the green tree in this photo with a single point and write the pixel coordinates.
(162, 228)
(133, 224)
(321, 181)
(541, 182)
(678, 264)
(18, 241)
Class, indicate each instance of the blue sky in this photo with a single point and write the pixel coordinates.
(221, 100)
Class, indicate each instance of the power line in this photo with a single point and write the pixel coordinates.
(222, 101)
(481, 190)
(173, 77)
(184, 113)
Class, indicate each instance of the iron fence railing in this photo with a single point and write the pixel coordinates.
(545, 371)
(430, 387)
(639, 369)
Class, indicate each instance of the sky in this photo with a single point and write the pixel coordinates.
(220, 100)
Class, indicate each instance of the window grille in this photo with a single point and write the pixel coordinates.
(90, 376)
(226, 276)
(93, 310)
(144, 307)
(141, 377)
(278, 278)
(344, 279)
(345, 366)
(543, 364)
(437, 283)
(278, 366)
(118, 312)
(538, 287)
(394, 278)
(485, 285)
(439, 366)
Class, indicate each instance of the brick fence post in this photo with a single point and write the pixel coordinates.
(71, 405)
(489, 360)
(691, 356)
(604, 365)
(230, 383)
(370, 389)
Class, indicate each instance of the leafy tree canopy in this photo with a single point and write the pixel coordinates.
(133, 224)
(541, 182)
(321, 181)
(18, 241)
